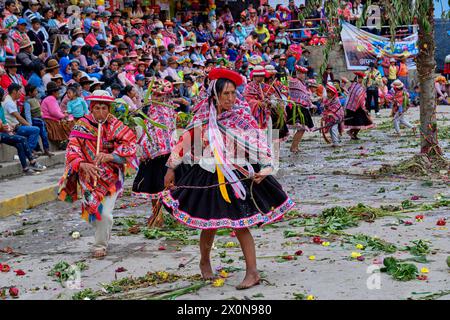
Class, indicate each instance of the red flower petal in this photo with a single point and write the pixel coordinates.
(162, 248)
(441, 222)
(361, 258)
(19, 272)
(5, 268)
(121, 269)
(415, 198)
(13, 292)
(317, 240)
(288, 257)
(298, 253)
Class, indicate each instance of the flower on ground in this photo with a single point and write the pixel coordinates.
(5, 268)
(230, 244)
(317, 240)
(19, 272)
(355, 255)
(419, 218)
(424, 270)
(13, 292)
(162, 274)
(161, 248)
(422, 277)
(223, 274)
(310, 297)
(441, 222)
(312, 258)
(298, 252)
(359, 246)
(218, 282)
(325, 243)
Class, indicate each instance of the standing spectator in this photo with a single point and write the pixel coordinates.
(392, 73)
(328, 75)
(372, 81)
(403, 73)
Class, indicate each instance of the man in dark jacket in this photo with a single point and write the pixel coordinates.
(26, 58)
(110, 75)
(37, 36)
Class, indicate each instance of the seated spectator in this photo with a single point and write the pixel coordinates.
(8, 137)
(58, 124)
(131, 97)
(19, 125)
(33, 115)
(38, 71)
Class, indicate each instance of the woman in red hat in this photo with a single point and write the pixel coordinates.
(221, 190)
(100, 176)
(299, 93)
(357, 117)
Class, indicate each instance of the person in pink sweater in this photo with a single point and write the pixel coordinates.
(57, 122)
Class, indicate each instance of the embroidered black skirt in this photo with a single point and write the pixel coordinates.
(357, 119)
(207, 208)
(305, 119)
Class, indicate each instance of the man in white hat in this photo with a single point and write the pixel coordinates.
(98, 166)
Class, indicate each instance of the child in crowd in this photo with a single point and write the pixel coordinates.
(414, 96)
(400, 104)
(76, 106)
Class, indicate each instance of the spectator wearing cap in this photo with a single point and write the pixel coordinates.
(139, 85)
(39, 37)
(26, 58)
(32, 12)
(57, 123)
(115, 26)
(104, 18)
(91, 39)
(19, 34)
(91, 13)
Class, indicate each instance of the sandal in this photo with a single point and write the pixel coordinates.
(99, 253)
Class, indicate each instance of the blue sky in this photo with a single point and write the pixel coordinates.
(438, 6)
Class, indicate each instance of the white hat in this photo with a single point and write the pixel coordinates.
(258, 71)
(79, 42)
(270, 68)
(95, 81)
(397, 84)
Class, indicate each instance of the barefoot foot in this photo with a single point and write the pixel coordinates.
(249, 281)
(206, 270)
(99, 253)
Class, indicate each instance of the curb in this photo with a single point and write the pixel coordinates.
(26, 201)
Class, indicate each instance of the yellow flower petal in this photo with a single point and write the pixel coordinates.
(325, 243)
(356, 255)
(359, 246)
(312, 257)
(230, 244)
(224, 274)
(310, 297)
(218, 282)
(424, 270)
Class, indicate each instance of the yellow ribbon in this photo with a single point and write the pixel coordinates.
(221, 178)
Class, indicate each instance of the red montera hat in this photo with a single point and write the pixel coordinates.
(222, 73)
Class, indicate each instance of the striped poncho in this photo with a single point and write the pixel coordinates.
(117, 139)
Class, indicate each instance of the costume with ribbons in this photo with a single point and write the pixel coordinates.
(155, 145)
(118, 140)
(355, 108)
(224, 148)
(299, 115)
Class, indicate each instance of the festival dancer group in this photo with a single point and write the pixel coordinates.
(218, 172)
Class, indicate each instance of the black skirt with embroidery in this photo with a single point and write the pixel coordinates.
(207, 208)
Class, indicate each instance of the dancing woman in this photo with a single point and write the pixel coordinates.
(211, 193)
(357, 117)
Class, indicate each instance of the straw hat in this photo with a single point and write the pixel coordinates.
(397, 84)
(25, 43)
(77, 31)
(52, 64)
